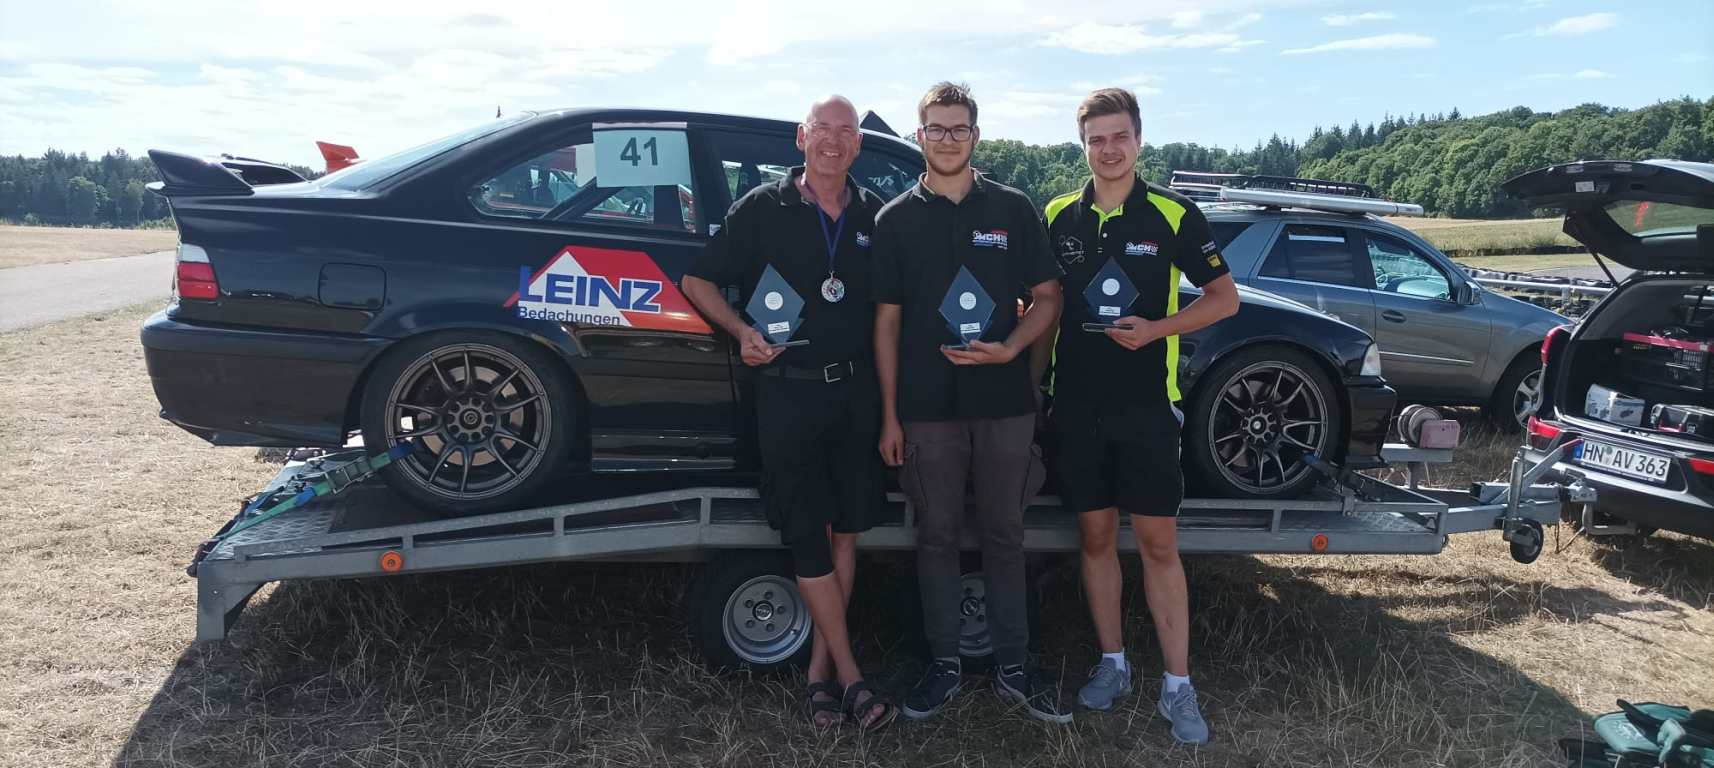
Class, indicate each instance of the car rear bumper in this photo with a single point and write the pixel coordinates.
(238, 386)
(1685, 504)
(1371, 408)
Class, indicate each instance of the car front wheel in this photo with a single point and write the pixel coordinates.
(1517, 396)
(1253, 419)
(489, 416)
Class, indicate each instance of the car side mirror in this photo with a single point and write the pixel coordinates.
(1464, 293)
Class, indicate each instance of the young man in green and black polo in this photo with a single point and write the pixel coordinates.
(952, 411)
(1114, 431)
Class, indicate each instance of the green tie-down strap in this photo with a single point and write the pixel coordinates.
(1651, 734)
(337, 478)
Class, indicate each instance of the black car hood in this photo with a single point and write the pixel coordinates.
(1584, 191)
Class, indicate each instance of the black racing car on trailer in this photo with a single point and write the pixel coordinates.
(507, 298)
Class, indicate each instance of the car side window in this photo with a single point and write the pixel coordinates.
(1227, 231)
(1402, 269)
(632, 177)
(883, 174)
(1313, 253)
(751, 160)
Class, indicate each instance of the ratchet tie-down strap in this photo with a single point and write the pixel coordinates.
(335, 479)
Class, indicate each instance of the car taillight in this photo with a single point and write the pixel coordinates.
(195, 276)
(1702, 466)
(1541, 433)
(1554, 337)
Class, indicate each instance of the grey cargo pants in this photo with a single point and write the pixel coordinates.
(999, 456)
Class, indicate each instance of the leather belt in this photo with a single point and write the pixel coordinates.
(829, 374)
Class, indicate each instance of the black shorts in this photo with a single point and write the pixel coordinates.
(1118, 456)
(821, 461)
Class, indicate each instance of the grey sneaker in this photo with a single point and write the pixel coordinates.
(1106, 685)
(1180, 708)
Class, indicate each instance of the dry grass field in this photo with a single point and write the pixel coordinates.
(1466, 659)
(23, 246)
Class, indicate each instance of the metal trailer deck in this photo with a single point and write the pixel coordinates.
(369, 531)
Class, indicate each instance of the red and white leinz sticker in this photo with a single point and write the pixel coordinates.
(603, 286)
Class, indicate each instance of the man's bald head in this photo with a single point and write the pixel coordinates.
(832, 108)
(830, 138)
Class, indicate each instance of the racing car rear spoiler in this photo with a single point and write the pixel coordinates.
(184, 175)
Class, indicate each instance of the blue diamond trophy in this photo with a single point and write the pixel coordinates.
(967, 309)
(776, 309)
(1109, 297)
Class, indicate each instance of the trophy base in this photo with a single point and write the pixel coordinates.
(792, 343)
(1102, 327)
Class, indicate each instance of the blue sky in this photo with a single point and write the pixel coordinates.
(267, 79)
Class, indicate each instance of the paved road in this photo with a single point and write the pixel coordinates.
(44, 293)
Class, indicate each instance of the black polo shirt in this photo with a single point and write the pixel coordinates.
(775, 224)
(1154, 236)
(921, 239)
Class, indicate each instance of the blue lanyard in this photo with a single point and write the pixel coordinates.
(830, 237)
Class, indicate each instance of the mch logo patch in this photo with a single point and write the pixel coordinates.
(862, 240)
(601, 286)
(991, 239)
(1144, 248)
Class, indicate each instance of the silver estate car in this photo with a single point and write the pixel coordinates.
(1445, 340)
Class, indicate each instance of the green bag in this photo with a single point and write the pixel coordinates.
(1646, 735)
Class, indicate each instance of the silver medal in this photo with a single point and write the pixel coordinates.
(833, 289)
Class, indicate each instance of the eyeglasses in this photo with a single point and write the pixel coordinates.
(940, 132)
(843, 132)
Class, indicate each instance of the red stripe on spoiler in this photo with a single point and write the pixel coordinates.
(1662, 341)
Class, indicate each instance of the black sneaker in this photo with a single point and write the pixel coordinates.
(1039, 697)
(937, 686)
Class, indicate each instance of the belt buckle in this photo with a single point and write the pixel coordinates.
(827, 375)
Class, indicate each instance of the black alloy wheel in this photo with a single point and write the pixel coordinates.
(1255, 417)
(486, 414)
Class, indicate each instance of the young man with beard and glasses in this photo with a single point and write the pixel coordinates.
(817, 407)
(951, 411)
(1113, 434)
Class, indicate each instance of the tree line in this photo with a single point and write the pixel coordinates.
(1450, 164)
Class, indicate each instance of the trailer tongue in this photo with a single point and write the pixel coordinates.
(365, 530)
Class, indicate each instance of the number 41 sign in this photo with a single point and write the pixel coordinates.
(641, 157)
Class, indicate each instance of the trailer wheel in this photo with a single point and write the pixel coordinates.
(745, 611)
(974, 641)
(1527, 542)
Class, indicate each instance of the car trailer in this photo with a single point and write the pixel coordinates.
(367, 531)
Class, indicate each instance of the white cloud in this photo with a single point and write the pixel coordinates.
(1348, 19)
(1186, 19)
(1244, 20)
(1591, 74)
(1025, 105)
(1114, 39)
(1394, 41)
(1574, 26)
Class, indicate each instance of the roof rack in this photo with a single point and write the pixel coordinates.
(1201, 181)
(1287, 192)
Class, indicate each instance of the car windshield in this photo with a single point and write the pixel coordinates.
(1652, 219)
(370, 172)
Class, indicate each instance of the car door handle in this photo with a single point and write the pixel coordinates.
(1393, 315)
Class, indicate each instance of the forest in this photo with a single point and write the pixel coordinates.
(1449, 163)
